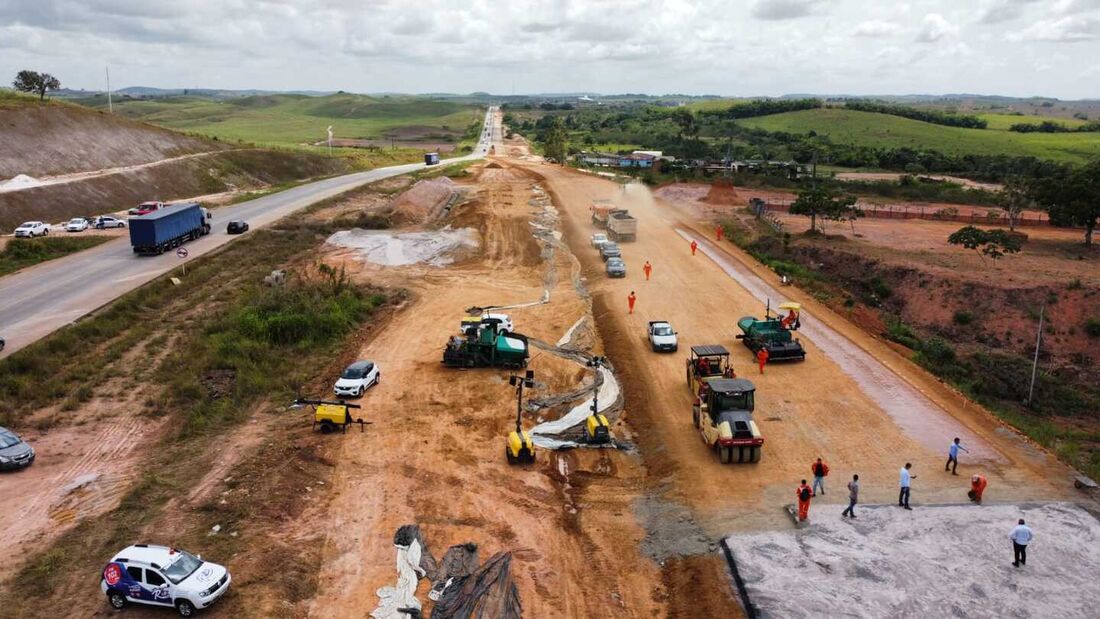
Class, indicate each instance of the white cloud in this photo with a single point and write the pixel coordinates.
(875, 28)
(1064, 30)
(1000, 11)
(935, 27)
(783, 9)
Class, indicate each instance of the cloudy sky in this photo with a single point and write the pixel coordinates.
(728, 47)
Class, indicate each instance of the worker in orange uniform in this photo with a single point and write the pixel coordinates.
(804, 493)
(630, 301)
(694, 246)
(762, 358)
(977, 487)
(718, 233)
(648, 268)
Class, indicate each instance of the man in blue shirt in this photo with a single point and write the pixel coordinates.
(1021, 537)
(904, 480)
(953, 456)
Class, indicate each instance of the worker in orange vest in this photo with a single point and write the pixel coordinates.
(694, 246)
(804, 493)
(648, 268)
(630, 301)
(977, 487)
(718, 232)
(762, 358)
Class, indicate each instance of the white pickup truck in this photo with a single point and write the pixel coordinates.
(661, 336)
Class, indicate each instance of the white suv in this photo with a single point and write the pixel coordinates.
(163, 576)
(356, 379)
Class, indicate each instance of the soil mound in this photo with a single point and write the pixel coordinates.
(424, 201)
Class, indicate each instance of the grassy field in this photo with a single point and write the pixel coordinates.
(21, 253)
(297, 119)
(885, 131)
(1001, 122)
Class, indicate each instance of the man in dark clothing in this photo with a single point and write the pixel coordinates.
(853, 497)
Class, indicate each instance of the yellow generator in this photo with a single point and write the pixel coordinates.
(596, 429)
(519, 448)
(332, 416)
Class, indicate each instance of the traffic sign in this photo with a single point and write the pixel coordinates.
(182, 252)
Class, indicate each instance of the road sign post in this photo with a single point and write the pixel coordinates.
(182, 254)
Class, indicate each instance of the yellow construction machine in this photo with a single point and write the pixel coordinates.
(332, 416)
(596, 429)
(519, 448)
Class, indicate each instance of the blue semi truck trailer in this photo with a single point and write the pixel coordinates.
(169, 227)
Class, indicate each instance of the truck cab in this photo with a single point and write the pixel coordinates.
(722, 414)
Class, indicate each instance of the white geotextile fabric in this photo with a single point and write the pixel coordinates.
(402, 594)
(608, 395)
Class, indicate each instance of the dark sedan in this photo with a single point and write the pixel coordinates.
(237, 227)
(14, 453)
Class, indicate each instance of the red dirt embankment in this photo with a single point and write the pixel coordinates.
(45, 139)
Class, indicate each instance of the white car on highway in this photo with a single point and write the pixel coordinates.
(163, 576)
(662, 337)
(76, 224)
(32, 228)
(598, 239)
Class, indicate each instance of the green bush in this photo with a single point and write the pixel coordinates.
(1092, 327)
(963, 317)
(898, 331)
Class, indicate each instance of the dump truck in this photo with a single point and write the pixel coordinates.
(621, 226)
(722, 414)
(774, 334)
(486, 345)
(169, 227)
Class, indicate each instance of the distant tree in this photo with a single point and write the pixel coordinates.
(992, 243)
(1015, 199)
(1072, 198)
(32, 81)
(825, 203)
(555, 140)
(685, 119)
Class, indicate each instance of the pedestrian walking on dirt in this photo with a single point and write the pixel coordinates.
(953, 456)
(630, 301)
(1021, 537)
(905, 479)
(977, 487)
(648, 268)
(820, 470)
(804, 494)
(853, 497)
(718, 233)
(694, 246)
(762, 358)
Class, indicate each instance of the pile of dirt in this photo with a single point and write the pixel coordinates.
(425, 201)
(435, 248)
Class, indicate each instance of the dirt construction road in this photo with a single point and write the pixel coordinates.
(868, 417)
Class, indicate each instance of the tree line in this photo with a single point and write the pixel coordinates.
(763, 107)
(936, 117)
(1048, 126)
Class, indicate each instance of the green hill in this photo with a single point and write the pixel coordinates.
(296, 119)
(885, 131)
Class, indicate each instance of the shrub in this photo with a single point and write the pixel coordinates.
(1092, 327)
(963, 317)
(899, 332)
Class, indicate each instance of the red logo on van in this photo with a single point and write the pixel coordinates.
(112, 574)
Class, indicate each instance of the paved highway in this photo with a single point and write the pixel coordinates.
(37, 301)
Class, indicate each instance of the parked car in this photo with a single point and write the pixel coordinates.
(76, 224)
(662, 337)
(616, 267)
(598, 239)
(32, 228)
(236, 227)
(357, 378)
(145, 208)
(15, 453)
(106, 221)
(163, 576)
(610, 249)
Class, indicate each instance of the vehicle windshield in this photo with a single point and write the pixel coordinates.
(182, 567)
(734, 401)
(29, 224)
(352, 373)
(76, 221)
(662, 330)
(7, 439)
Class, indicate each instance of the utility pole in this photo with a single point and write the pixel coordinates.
(1035, 361)
(110, 105)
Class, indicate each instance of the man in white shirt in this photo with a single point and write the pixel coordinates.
(904, 480)
(1021, 537)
